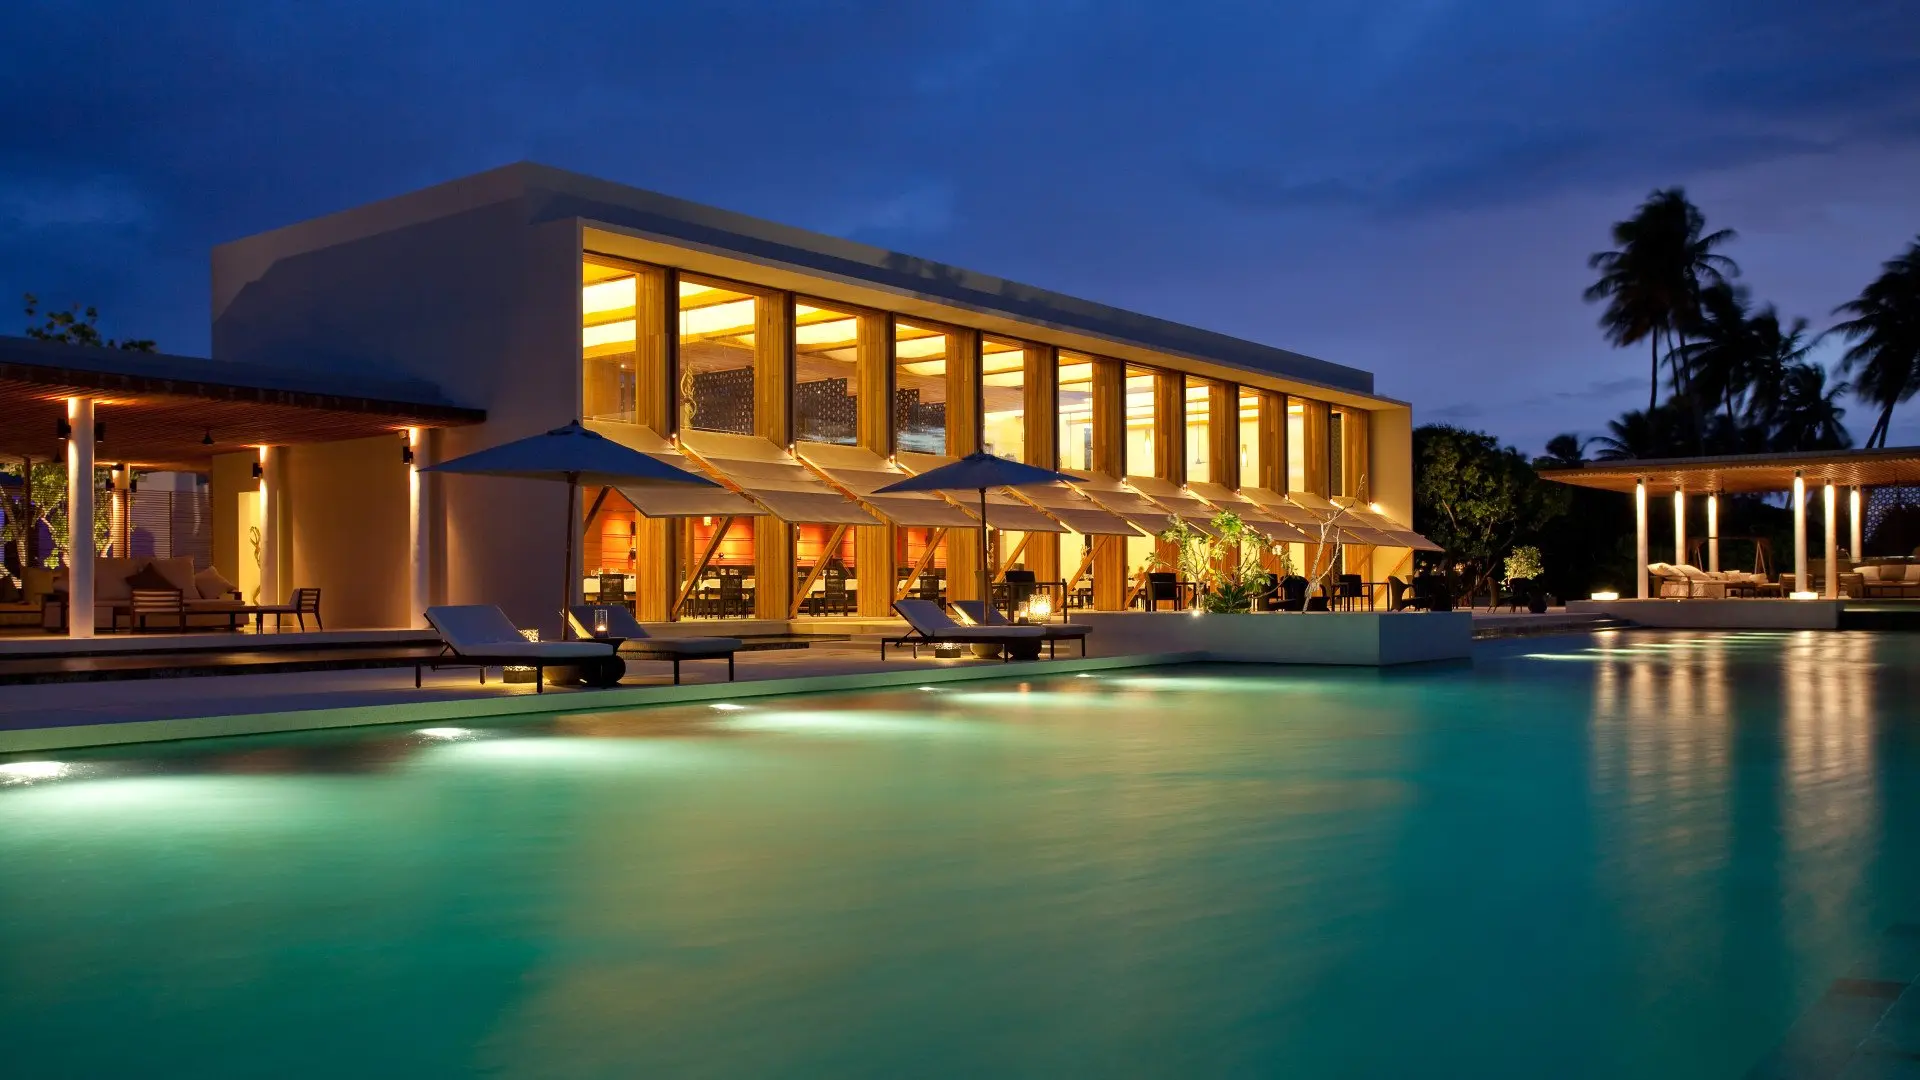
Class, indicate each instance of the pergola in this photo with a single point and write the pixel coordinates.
(89, 406)
(1712, 477)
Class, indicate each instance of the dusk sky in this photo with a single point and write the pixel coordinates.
(1408, 186)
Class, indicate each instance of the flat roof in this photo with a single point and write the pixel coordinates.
(161, 409)
(1748, 473)
(614, 209)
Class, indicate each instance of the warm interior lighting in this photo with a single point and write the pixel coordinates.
(613, 333)
(837, 332)
(731, 316)
(693, 288)
(617, 295)
(1605, 594)
(1803, 596)
(915, 348)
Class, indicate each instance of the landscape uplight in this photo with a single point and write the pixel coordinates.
(1606, 594)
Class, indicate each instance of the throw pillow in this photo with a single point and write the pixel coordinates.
(148, 578)
(212, 585)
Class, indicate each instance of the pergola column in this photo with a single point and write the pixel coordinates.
(272, 466)
(1713, 532)
(419, 531)
(79, 517)
(1640, 538)
(1680, 528)
(1858, 546)
(1799, 533)
(1831, 587)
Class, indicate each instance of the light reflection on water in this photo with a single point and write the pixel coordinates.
(1626, 854)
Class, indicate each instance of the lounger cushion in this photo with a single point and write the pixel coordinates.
(484, 630)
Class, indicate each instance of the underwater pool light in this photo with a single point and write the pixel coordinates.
(444, 732)
(26, 772)
(728, 706)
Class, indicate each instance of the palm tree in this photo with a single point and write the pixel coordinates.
(1652, 281)
(1885, 336)
(1719, 363)
(1772, 356)
(1807, 416)
(1563, 452)
(1655, 434)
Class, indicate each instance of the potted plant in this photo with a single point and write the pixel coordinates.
(1523, 564)
(1227, 568)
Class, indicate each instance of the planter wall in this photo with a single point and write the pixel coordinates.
(1367, 639)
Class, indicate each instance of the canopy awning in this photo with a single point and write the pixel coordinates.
(1178, 502)
(1121, 500)
(656, 500)
(1312, 520)
(773, 479)
(1748, 473)
(858, 472)
(1005, 510)
(1257, 517)
(1393, 534)
(1077, 512)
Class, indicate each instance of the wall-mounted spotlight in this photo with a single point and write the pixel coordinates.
(63, 428)
(207, 439)
(406, 453)
(99, 431)
(259, 471)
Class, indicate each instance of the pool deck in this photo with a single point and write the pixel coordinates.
(43, 717)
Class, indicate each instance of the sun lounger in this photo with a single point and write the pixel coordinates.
(986, 615)
(931, 626)
(630, 639)
(481, 635)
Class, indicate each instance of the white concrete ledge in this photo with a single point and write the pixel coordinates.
(1733, 614)
(1361, 638)
(495, 706)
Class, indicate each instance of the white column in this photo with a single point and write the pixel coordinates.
(1713, 533)
(1858, 547)
(1680, 528)
(1799, 533)
(1640, 538)
(419, 534)
(270, 480)
(1831, 587)
(80, 518)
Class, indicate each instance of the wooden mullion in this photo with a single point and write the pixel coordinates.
(1012, 557)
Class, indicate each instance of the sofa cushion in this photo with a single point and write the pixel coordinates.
(110, 577)
(149, 577)
(179, 574)
(212, 585)
(1691, 573)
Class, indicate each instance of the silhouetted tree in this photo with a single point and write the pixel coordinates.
(1652, 280)
(75, 326)
(1885, 336)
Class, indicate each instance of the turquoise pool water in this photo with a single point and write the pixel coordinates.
(1627, 855)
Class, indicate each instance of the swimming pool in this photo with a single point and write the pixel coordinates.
(1620, 855)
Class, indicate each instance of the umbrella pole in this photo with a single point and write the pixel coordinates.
(566, 574)
(986, 597)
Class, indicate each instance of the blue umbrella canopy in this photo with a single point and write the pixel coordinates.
(575, 456)
(978, 472)
(571, 454)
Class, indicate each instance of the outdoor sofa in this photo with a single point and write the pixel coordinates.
(481, 635)
(1691, 582)
(1888, 579)
(630, 639)
(983, 614)
(207, 600)
(928, 625)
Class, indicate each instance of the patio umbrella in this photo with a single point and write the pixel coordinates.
(978, 472)
(572, 454)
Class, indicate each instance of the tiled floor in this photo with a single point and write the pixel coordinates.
(1865, 1027)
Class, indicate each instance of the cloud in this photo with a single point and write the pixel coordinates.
(42, 205)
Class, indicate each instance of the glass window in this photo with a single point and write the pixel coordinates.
(1249, 437)
(1076, 412)
(1336, 454)
(1003, 390)
(919, 389)
(1140, 412)
(1199, 429)
(826, 353)
(1296, 447)
(612, 336)
(716, 356)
